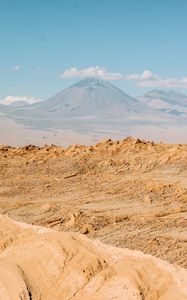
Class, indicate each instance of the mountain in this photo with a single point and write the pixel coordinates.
(92, 98)
(94, 109)
(88, 103)
(170, 101)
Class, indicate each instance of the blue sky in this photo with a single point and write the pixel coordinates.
(41, 39)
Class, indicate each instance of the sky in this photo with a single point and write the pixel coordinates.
(47, 45)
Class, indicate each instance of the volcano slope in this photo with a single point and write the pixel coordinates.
(127, 193)
(43, 264)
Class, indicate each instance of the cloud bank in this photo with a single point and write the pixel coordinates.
(148, 79)
(95, 72)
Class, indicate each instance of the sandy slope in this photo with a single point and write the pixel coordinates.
(38, 263)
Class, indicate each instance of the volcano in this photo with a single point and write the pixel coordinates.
(93, 98)
(94, 108)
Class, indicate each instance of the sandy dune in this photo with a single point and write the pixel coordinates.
(38, 263)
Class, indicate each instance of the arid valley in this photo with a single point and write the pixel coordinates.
(128, 194)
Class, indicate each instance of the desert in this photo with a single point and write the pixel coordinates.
(93, 150)
(129, 194)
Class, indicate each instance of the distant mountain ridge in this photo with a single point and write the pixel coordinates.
(170, 101)
(96, 108)
(97, 98)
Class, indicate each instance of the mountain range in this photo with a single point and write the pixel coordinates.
(95, 106)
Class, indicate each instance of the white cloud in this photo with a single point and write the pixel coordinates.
(16, 68)
(12, 99)
(146, 75)
(96, 72)
(148, 79)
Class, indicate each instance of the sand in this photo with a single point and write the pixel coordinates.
(39, 263)
(129, 193)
